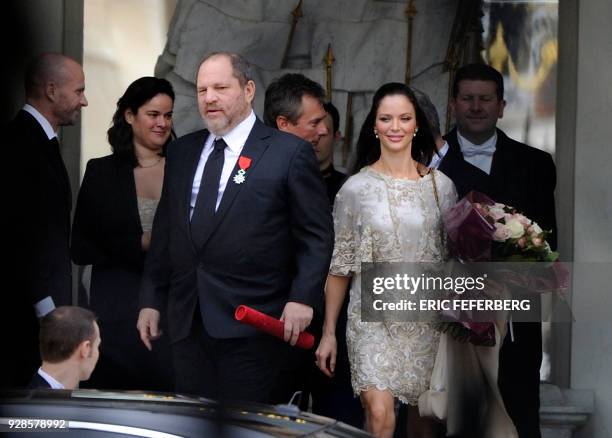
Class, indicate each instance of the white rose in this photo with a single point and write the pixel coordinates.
(515, 227)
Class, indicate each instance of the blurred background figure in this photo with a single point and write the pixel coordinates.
(295, 104)
(325, 152)
(112, 232)
(333, 396)
(69, 347)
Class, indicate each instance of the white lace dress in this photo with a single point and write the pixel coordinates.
(378, 218)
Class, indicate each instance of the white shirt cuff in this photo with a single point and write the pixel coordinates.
(44, 306)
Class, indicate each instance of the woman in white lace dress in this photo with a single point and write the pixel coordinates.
(389, 210)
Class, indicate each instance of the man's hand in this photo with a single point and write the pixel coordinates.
(327, 351)
(296, 317)
(148, 326)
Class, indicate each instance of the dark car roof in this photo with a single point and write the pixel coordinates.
(129, 413)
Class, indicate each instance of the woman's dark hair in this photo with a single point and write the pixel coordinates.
(368, 146)
(139, 92)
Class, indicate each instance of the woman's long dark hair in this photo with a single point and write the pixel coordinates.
(368, 146)
(120, 135)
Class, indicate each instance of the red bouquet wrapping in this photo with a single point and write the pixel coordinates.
(270, 325)
(470, 235)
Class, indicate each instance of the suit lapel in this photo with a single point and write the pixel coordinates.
(125, 179)
(499, 169)
(191, 161)
(254, 148)
(507, 173)
(53, 157)
(60, 173)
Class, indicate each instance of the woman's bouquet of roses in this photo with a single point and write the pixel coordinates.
(482, 230)
(515, 237)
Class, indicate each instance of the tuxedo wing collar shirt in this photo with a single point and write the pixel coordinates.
(479, 155)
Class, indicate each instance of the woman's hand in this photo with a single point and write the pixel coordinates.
(326, 352)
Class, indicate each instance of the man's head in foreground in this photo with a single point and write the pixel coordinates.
(69, 344)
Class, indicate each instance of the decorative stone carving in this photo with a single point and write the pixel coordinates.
(563, 411)
(368, 38)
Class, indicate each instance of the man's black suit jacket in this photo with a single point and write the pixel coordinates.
(38, 382)
(43, 205)
(271, 241)
(37, 193)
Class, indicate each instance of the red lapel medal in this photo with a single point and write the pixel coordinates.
(244, 163)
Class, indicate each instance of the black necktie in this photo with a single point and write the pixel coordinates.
(206, 201)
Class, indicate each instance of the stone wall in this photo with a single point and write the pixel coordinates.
(368, 39)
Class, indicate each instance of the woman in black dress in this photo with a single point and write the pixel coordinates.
(112, 231)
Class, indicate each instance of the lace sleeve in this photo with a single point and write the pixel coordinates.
(447, 197)
(347, 225)
(447, 192)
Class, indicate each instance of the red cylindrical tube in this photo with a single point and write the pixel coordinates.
(269, 325)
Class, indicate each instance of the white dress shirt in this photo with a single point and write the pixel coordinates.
(45, 305)
(480, 155)
(436, 158)
(50, 380)
(235, 140)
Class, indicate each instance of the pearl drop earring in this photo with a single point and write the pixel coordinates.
(375, 134)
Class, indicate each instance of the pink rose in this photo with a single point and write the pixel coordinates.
(496, 213)
(521, 242)
(522, 219)
(502, 232)
(537, 241)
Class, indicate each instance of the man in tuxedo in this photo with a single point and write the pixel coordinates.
(482, 157)
(69, 348)
(243, 219)
(40, 202)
